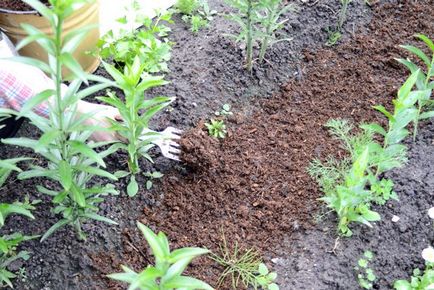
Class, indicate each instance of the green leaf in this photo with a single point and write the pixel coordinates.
(402, 285)
(33, 62)
(97, 217)
(426, 115)
(176, 269)
(152, 240)
(86, 151)
(418, 52)
(65, 173)
(41, 8)
(179, 254)
(408, 85)
(263, 270)
(132, 187)
(95, 171)
(374, 127)
(78, 196)
(273, 286)
(188, 283)
(427, 41)
(383, 110)
(73, 66)
(55, 227)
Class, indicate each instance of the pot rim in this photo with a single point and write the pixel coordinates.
(17, 12)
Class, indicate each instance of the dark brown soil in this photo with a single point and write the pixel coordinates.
(253, 185)
(17, 5)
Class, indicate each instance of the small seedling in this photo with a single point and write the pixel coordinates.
(166, 274)
(216, 128)
(152, 176)
(225, 111)
(365, 275)
(336, 33)
(244, 267)
(196, 22)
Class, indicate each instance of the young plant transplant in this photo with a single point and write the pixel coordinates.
(424, 81)
(259, 21)
(365, 275)
(195, 12)
(216, 128)
(360, 184)
(166, 274)
(134, 125)
(72, 160)
(150, 43)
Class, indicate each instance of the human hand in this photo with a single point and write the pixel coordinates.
(101, 116)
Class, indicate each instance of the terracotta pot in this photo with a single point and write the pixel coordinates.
(10, 23)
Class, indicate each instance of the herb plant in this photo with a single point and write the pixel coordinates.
(424, 81)
(365, 275)
(150, 43)
(420, 280)
(134, 83)
(72, 161)
(352, 184)
(216, 128)
(166, 274)
(244, 267)
(259, 21)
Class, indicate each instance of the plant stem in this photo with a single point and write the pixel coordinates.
(249, 36)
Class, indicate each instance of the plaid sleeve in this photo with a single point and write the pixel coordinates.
(14, 93)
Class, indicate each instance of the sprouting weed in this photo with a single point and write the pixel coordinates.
(216, 128)
(365, 275)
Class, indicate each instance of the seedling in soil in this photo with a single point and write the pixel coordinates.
(420, 280)
(152, 176)
(365, 275)
(216, 128)
(244, 267)
(258, 22)
(166, 274)
(10, 243)
(71, 159)
(336, 34)
(424, 81)
(196, 13)
(134, 126)
(150, 43)
(225, 111)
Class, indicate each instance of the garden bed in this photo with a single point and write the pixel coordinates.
(253, 186)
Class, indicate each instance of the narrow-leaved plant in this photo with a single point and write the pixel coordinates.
(71, 159)
(166, 274)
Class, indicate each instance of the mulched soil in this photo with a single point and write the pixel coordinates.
(17, 5)
(253, 186)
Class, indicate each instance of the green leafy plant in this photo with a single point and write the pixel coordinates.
(9, 243)
(72, 161)
(196, 22)
(419, 280)
(225, 111)
(244, 267)
(187, 7)
(216, 128)
(152, 176)
(365, 275)
(259, 21)
(150, 43)
(135, 125)
(352, 184)
(166, 274)
(336, 33)
(424, 81)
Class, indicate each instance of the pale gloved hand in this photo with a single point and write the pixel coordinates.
(20, 82)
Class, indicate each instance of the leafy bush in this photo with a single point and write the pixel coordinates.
(71, 159)
(168, 269)
(134, 127)
(150, 43)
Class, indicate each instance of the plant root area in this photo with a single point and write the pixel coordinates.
(252, 188)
